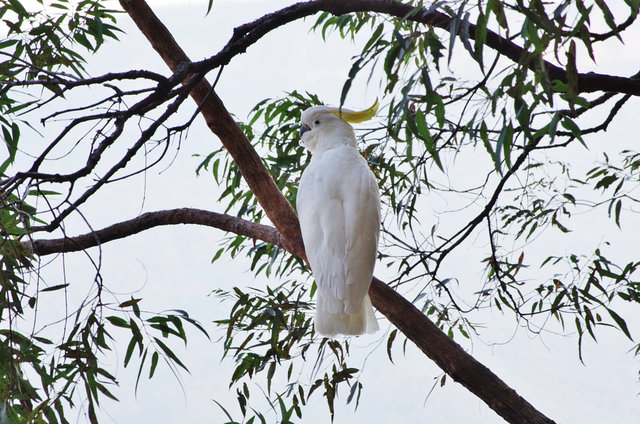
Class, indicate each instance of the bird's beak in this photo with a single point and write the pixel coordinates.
(303, 129)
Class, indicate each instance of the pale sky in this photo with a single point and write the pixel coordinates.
(170, 267)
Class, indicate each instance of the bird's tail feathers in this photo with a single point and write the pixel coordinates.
(331, 323)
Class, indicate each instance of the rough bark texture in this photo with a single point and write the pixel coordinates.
(154, 219)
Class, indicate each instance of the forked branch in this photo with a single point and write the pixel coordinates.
(150, 220)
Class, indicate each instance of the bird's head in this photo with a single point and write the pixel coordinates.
(323, 127)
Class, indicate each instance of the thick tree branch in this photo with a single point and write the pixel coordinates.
(248, 34)
(450, 356)
(154, 219)
(222, 124)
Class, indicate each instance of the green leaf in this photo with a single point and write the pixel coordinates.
(18, 8)
(422, 130)
(497, 8)
(218, 254)
(390, 340)
(154, 364)
(553, 126)
(608, 16)
(617, 212)
(485, 141)
(231, 420)
(129, 353)
(270, 373)
(355, 68)
(130, 302)
(572, 73)
(118, 321)
(105, 391)
(480, 37)
(570, 125)
(503, 145)
(569, 197)
(7, 43)
(621, 323)
(82, 40)
(54, 288)
(438, 108)
(11, 138)
(170, 353)
(373, 39)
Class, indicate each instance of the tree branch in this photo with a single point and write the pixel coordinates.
(448, 355)
(452, 358)
(222, 124)
(455, 240)
(131, 152)
(248, 34)
(154, 219)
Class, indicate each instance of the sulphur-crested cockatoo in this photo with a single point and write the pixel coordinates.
(339, 211)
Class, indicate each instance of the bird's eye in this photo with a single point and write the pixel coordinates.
(317, 122)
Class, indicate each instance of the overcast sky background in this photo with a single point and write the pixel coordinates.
(170, 267)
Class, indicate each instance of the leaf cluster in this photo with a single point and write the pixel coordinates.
(269, 333)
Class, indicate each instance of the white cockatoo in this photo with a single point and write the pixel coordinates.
(339, 210)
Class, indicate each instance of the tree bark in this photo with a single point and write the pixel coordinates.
(150, 220)
(408, 319)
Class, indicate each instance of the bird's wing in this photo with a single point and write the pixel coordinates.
(338, 208)
(322, 224)
(361, 206)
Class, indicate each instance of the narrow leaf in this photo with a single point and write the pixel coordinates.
(390, 340)
(621, 323)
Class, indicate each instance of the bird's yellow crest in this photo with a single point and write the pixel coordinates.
(357, 116)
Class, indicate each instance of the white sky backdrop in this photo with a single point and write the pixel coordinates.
(170, 267)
